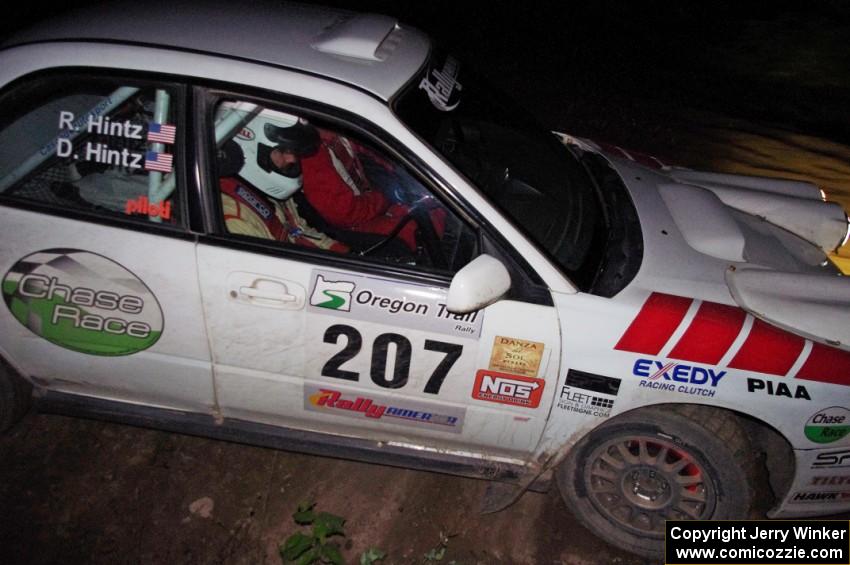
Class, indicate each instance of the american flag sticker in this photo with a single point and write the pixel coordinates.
(160, 162)
(161, 133)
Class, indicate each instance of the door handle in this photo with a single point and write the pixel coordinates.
(267, 294)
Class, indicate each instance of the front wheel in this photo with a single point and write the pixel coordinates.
(624, 479)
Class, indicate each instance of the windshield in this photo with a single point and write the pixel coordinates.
(523, 168)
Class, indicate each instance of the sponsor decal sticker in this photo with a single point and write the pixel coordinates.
(677, 377)
(503, 388)
(246, 133)
(335, 295)
(442, 87)
(516, 356)
(836, 459)
(829, 425)
(389, 302)
(818, 497)
(370, 406)
(831, 480)
(83, 301)
(763, 386)
(145, 207)
(576, 394)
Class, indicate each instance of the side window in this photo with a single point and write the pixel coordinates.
(305, 183)
(97, 145)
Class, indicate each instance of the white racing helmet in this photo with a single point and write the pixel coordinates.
(268, 131)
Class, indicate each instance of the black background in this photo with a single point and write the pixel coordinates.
(624, 71)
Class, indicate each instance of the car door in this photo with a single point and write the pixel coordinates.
(348, 333)
(99, 276)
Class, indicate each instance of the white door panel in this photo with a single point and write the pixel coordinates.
(74, 346)
(374, 357)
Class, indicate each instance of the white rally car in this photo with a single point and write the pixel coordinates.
(520, 306)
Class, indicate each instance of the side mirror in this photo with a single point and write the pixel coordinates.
(481, 282)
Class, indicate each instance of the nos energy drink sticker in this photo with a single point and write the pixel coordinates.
(389, 302)
(83, 302)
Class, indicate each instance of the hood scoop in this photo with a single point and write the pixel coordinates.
(814, 306)
(704, 221)
(792, 205)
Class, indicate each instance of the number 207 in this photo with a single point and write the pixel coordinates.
(380, 350)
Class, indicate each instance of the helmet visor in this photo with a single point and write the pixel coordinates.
(302, 139)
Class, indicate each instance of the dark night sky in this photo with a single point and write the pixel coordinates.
(783, 63)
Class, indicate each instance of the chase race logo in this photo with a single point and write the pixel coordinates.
(83, 302)
(335, 295)
(678, 377)
(828, 425)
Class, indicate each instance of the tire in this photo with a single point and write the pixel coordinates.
(674, 462)
(15, 397)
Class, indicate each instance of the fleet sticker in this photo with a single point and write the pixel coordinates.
(103, 153)
(330, 400)
(442, 86)
(678, 377)
(575, 393)
(836, 459)
(818, 497)
(516, 356)
(829, 425)
(503, 388)
(389, 302)
(83, 301)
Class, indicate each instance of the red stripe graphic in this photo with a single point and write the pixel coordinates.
(768, 350)
(655, 323)
(711, 333)
(827, 365)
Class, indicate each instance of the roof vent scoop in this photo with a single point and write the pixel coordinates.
(358, 37)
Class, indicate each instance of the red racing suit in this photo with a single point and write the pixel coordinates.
(335, 184)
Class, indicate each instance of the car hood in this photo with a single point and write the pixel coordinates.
(755, 242)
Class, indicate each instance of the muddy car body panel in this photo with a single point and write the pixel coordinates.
(632, 284)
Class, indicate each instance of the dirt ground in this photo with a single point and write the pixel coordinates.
(79, 491)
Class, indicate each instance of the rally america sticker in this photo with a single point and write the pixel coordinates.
(389, 302)
(377, 407)
(83, 301)
(828, 425)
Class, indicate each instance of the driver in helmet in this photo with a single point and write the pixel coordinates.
(259, 169)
